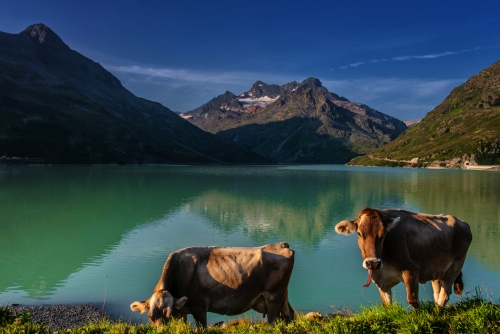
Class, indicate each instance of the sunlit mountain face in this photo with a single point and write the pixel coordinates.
(296, 123)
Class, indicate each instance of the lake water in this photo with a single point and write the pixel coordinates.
(101, 234)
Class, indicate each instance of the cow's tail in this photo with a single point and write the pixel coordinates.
(458, 287)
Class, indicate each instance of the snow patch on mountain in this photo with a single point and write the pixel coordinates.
(263, 101)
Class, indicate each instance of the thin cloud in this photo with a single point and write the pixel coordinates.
(402, 58)
(431, 56)
(194, 76)
(179, 74)
(373, 88)
(186, 89)
(354, 64)
(398, 97)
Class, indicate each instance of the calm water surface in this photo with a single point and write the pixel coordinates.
(101, 234)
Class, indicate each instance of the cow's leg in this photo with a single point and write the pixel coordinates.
(386, 296)
(273, 308)
(452, 274)
(410, 278)
(436, 287)
(444, 293)
(446, 285)
(291, 312)
(200, 316)
(286, 312)
(273, 302)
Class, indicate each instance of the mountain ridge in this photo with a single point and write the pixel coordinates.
(58, 106)
(320, 118)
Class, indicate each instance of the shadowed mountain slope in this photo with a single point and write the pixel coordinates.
(57, 106)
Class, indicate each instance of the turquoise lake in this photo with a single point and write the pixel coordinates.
(101, 234)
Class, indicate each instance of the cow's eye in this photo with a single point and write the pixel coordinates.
(359, 235)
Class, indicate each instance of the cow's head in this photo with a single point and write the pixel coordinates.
(372, 227)
(161, 306)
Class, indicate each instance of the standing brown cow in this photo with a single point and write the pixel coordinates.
(222, 280)
(401, 246)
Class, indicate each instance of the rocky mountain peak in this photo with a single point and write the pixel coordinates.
(312, 83)
(323, 127)
(261, 89)
(289, 87)
(44, 35)
(228, 94)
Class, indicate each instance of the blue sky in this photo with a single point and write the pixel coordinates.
(399, 57)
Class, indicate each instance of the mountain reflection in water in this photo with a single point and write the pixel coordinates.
(65, 228)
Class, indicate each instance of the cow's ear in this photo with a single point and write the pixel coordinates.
(392, 223)
(180, 302)
(346, 227)
(140, 306)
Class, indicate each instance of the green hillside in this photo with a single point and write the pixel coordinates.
(464, 128)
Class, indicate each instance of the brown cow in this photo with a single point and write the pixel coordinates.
(227, 281)
(401, 246)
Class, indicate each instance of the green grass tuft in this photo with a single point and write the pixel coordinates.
(472, 315)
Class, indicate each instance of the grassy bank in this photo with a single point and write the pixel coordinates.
(473, 315)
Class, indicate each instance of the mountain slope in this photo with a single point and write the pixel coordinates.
(305, 123)
(57, 106)
(464, 128)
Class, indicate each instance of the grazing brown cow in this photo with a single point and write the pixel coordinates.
(401, 246)
(227, 281)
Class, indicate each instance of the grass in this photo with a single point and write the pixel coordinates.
(471, 315)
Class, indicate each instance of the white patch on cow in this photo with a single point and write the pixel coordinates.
(386, 278)
(387, 297)
(372, 259)
(161, 299)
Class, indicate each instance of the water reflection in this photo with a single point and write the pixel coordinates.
(57, 219)
(65, 228)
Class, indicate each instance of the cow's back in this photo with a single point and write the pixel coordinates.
(434, 241)
(236, 274)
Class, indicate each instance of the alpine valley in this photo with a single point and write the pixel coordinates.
(297, 123)
(57, 106)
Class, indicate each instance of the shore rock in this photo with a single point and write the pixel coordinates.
(58, 317)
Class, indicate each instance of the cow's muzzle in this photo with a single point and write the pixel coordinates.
(372, 263)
